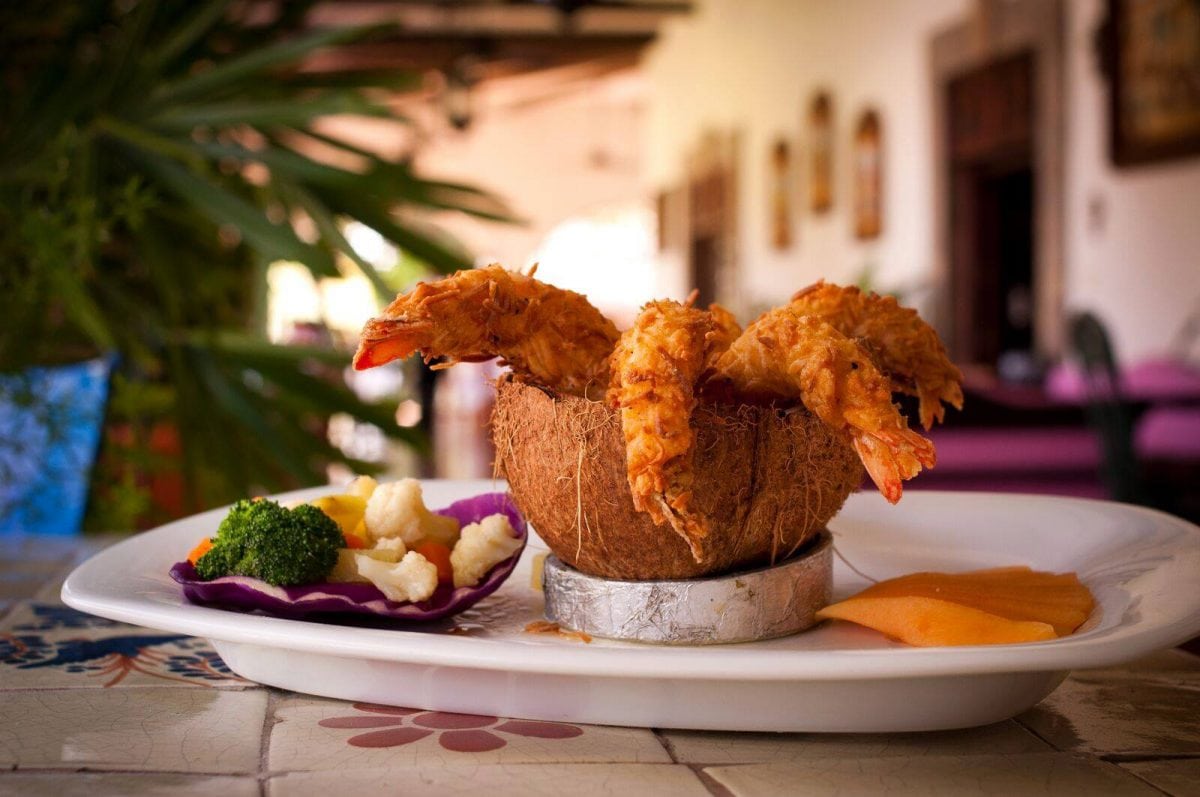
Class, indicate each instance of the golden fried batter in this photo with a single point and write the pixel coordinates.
(906, 348)
(724, 332)
(837, 350)
(547, 335)
(785, 355)
(655, 368)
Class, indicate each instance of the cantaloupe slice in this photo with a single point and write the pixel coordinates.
(957, 608)
(1021, 594)
(928, 622)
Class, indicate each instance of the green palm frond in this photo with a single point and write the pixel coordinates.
(129, 221)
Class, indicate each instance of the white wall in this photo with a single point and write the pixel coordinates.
(1133, 235)
(754, 65)
(552, 153)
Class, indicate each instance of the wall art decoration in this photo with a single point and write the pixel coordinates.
(1150, 50)
(780, 182)
(868, 176)
(820, 153)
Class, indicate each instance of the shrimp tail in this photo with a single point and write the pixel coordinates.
(893, 457)
(384, 340)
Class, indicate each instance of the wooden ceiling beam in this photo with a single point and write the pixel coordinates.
(442, 52)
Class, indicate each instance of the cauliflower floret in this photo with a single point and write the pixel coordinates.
(396, 510)
(413, 578)
(393, 545)
(482, 546)
(362, 486)
(346, 569)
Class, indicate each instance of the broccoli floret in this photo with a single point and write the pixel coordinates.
(264, 540)
(229, 544)
(213, 564)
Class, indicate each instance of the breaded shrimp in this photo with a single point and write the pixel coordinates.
(547, 335)
(906, 348)
(655, 368)
(784, 355)
(724, 332)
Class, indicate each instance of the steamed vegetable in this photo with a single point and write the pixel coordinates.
(413, 578)
(440, 556)
(397, 509)
(481, 546)
(281, 546)
(347, 511)
(327, 599)
(204, 546)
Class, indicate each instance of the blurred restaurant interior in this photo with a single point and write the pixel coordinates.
(190, 254)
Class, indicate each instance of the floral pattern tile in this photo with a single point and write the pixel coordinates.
(1114, 715)
(46, 645)
(459, 733)
(1050, 774)
(66, 706)
(494, 780)
(708, 747)
(90, 784)
(1179, 777)
(212, 731)
(313, 734)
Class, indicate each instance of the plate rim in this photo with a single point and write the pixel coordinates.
(632, 660)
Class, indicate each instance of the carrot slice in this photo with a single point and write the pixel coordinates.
(204, 546)
(439, 554)
(928, 622)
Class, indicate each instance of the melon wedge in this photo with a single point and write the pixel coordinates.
(1058, 599)
(929, 622)
(980, 607)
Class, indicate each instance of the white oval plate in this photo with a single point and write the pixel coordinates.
(1143, 567)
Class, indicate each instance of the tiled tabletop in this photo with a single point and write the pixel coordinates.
(89, 706)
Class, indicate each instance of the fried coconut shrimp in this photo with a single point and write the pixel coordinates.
(655, 370)
(906, 348)
(547, 335)
(725, 330)
(785, 355)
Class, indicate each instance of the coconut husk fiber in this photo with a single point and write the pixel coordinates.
(766, 480)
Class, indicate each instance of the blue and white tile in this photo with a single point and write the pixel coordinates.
(51, 646)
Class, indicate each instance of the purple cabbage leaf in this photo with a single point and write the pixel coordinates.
(329, 599)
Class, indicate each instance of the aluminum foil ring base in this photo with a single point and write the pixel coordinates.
(758, 604)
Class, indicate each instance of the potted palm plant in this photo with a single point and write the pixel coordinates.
(155, 157)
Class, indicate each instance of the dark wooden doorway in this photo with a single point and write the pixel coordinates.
(709, 223)
(993, 185)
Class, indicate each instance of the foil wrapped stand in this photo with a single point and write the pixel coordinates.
(757, 604)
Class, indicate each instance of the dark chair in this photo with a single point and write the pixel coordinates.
(1111, 415)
